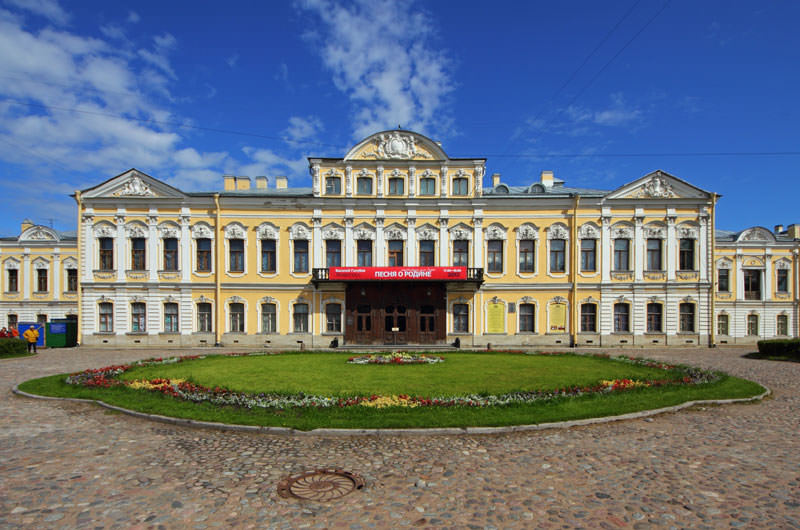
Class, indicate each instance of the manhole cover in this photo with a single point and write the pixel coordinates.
(320, 485)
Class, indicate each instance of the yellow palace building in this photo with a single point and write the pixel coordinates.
(397, 243)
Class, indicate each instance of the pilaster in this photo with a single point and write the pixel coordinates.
(56, 272)
(316, 240)
(348, 181)
(766, 292)
(120, 259)
(444, 243)
(444, 185)
(412, 182)
(671, 245)
(186, 250)
(605, 248)
(26, 272)
(86, 257)
(380, 241)
(152, 245)
(411, 253)
(477, 236)
(638, 246)
(379, 183)
(349, 245)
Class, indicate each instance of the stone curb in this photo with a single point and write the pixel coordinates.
(20, 357)
(395, 432)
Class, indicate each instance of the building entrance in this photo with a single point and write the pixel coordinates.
(395, 313)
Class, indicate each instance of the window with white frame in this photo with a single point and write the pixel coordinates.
(588, 255)
(527, 255)
(460, 186)
(171, 317)
(138, 317)
(686, 311)
(364, 185)
(622, 253)
(170, 253)
(655, 317)
(494, 255)
(460, 253)
(236, 255)
(204, 317)
(527, 318)
(460, 318)
(106, 249)
(427, 186)
(300, 255)
(622, 317)
(12, 280)
(333, 318)
(268, 256)
(752, 325)
(654, 261)
(333, 186)
(138, 254)
(723, 280)
(203, 254)
(364, 252)
(300, 318)
(269, 318)
(41, 281)
(782, 325)
(782, 281)
(722, 324)
(106, 314)
(72, 280)
(558, 255)
(588, 318)
(686, 254)
(236, 314)
(333, 253)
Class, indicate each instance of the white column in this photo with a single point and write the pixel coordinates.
(638, 248)
(86, 260)
(412, 184)
(348, 181)
(671, 256)
(120, 260)
(380, 243)
(26, 275)
(444, 184)
(704, 259)
(766, 292)
(349, 250)
(316, 242)
(186, 251)
(379, 183)
(411, 254)
(605, 249)
(444, 243)
(152, 246)
(57, 272)
(739, 278)
(477, 237)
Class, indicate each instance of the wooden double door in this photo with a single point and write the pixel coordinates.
(396, 313)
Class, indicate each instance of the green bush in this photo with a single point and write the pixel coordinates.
(12, 347)
(780, 348)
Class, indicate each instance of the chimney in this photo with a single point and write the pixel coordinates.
(281, 183)
(242, 183)
(778, 229)
(261, 183)
(230, 182)
(547, 179)
(26, 223)
(794, 231)
(495, 179)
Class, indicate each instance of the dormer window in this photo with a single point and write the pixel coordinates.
(333, 186)
(396, 186)
(460, 186)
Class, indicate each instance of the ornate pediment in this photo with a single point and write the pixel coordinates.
(427, 232)
(169, 230)
(299, 231)
(495, 231)
(39, 233)
(557, 231)
(202, 231)
(589, 231)
(267, 231)
(364, 231)
(527, 231)
(333, 231)
(658, 185)
(133, 184)
(396, 145)
(622, 231)
(235, 231)
(395, 231)
(756, 233)
(461, 231)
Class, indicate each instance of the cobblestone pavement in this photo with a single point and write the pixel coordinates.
(73, 465)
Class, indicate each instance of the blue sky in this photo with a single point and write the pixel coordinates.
(189, 91)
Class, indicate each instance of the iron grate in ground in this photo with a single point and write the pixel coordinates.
(321, 485)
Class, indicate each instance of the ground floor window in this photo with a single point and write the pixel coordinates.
(12, 321)
(333, 318)
(527, 312)
(204, 317)
(171, 317)
(622, 318)
(460, 318)
(106, 317)
(237, 317)
(654, 318)
(782, 325)
(752, 324)
(138, 317)
(722, 324)
(300, 318)
(686, 313)
(268, 318)
(589, 318)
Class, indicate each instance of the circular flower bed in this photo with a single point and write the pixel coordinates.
(396, 358)
(179, 388)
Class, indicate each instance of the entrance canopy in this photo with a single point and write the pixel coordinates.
(394, 274)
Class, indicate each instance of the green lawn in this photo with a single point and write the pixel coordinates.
(461, 373)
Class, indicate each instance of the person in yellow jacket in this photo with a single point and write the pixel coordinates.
(31, 335)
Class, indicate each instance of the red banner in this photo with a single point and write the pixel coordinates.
(397, 273)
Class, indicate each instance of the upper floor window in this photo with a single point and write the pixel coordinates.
(752, 284)
(333, 253)
(686, 315)
(268, 257)
(396, 253)
(494, 255)
(558, 250)
(106, 253)
(686, 255)
(236, 254)
(654, 317)
(300, 255)
(427, 253)
(782, 285)
(588, 318)
(171, 317)
(588, 255)
(396, 186)
(13, 280)
(460, 186)
(106, 314)
(237, 317)
(72, 280)
(622, 317)
(427, 186)
(460, 253)
(622, 254)
(41, 280)
(138, 317)
(723, 280)
(654, 254)
(364, 252)
(170, 254)
(333, 186)
(138, 255)
(204, 255)
(526, 255)
(364, 186)
(204, 317)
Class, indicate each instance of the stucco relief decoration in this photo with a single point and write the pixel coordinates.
(621, 232)
(136, 188)
(461, 232)
(783, 264)
(526, 300)
(495, 232)
(687, 232)
(427, 174)
(588, 231)
(557, 231)
(396, 146)
(724, 263)
(202, 231)
(656, 188)
(527, 231)
(236, 300)
(396, 173)
(11, 263)
(203, 299)
(364, 231)
(267, 231)
(655, 232)
(590, 300)
(268, 300)
(333, 173)
(135, 231)
(168, 231)
(105, 230)
(333, 232)
(299, 231)
(40, 235)
(70, 263)
(756, 234)
(427, 233)
(235, 231)
(753, 262)
(478, 179)
(558, 300)
(395, 233)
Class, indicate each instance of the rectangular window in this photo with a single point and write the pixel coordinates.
(333, 186)
(782, 325)
(782, 285)
(12, 321)
(427, 253)
(364, 251)
(269, 322)
(622, 254)
(654, 254)
(170, 254)
(41, 280)
(300, 255)
(396, 186)
(396, 253)
(558, 254)
(655, 317)
(622, 318)
(138, 262)
(588, 255)
(72, 280)
(300, 318)
(427, 186)
(686, 256)
(13, 280)
(589, 318)
(237, 317)
(526, 318)
(752, 325)
(106, 245)
(526, 256)
(138, 317)
(333, 253)
(364, 186)
(460, 253)
(460, 318)
(494, 256)
(752, 284)
(204, 317)
(722, 324)
(106, 317)
(268, 257)
(723, 280)
(204, 255)
(333, 318)
(460, 186)
(171, 317)
(236, 255)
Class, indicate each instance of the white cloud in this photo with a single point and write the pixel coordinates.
(232, 60)
(382, 56)
(45, 8)
(303, 128)
(133, 17)
(268, 162)
(163, 44)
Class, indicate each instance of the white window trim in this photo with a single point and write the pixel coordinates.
(663, 305)
(452, 253)
(135, 230)
(451, 316)
(324, 323)
(202, 230)
(168, 230)
(235, 231)
(579, 323)
(164, 316)
(66, 265)
(38, 264)
(260, 310)
(196, 314)
(311, 319)
(535, 304)
(228, 302)
(303, 232)
(113, 316)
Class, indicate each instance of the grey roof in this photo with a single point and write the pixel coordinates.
(538, 190)
(258, 192)
(732, 236)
